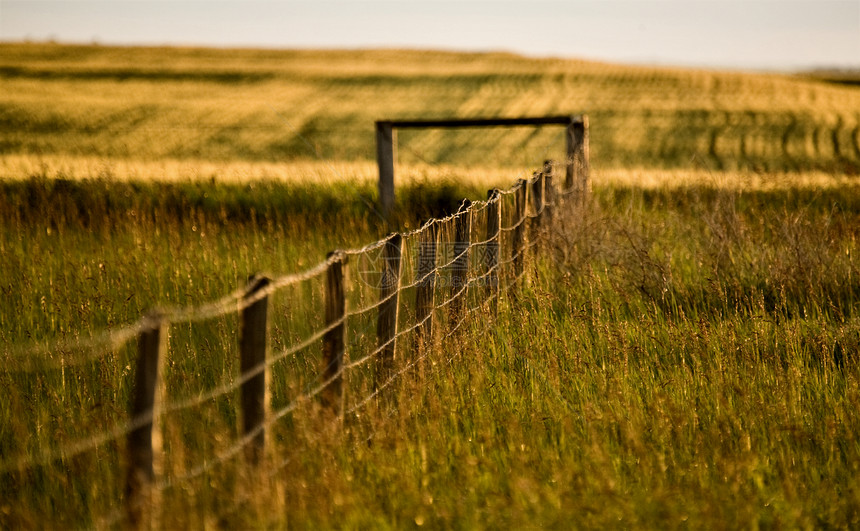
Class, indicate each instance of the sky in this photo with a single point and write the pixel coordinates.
(734, 34)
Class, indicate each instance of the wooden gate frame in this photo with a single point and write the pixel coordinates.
(576, 142)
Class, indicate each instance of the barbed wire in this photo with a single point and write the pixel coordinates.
(237, 301)
(251, 373)
(22, 358)
(42, 356)
(28, 358)
(415, 361)
(380, 348)
(231, 303)
(44, 457)
(474, 208)
(234, 449)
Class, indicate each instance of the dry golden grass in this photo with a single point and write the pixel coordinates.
(141, 104)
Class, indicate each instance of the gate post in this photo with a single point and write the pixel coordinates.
(385, 161)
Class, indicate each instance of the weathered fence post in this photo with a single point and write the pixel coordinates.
(537, 200)
(460, 265)
(334, 341)
(576, 180)
(385, 161)
(518, 247)
(144, 446)
(549, 196)
(426, 289)
(386, 324)
(252, 365)
(491, 254)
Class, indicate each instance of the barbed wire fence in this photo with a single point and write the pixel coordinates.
(375, 313)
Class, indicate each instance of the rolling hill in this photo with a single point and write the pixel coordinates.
(116, 105)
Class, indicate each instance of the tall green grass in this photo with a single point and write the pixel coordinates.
(84, 255)
(681, 357)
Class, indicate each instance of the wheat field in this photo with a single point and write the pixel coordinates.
(211, 106)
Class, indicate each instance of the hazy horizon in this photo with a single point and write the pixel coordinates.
(729, 34)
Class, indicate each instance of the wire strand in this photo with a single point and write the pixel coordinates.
(28, 358)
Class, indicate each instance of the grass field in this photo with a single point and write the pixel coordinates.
(163, 105)
(686, 354)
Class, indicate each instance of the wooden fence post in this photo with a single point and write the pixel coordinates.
(570, 144)
(386, 323)
(253, 361)
(518, 248)
(491, 254)
(334, 341)
(550, 195)
(143, 447)
(426, 290)
(537, 201)
(577, 179)
(460, 265)
(385, 162)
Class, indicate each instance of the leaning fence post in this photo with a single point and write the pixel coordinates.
(252, 365)
(426, 289)
(334, 341)
(143, 446)
(518, 248)
(460, 265)
(386, 324)
(491, 256)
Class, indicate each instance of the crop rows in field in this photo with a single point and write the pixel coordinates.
(270, 106)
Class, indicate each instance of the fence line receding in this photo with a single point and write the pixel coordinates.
(373, 314)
